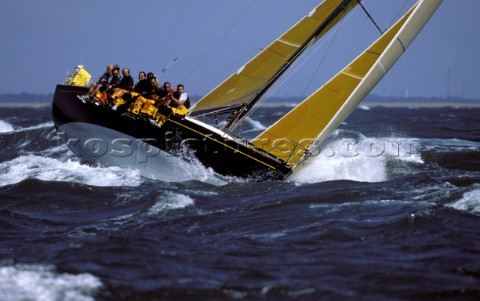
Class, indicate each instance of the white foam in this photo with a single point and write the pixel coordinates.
(322, 169)
(363, 159)
(170, 201)
(193, 170)
(5, 127)
(469, 202)
(49, 169)
(402, 149)
(44, 283)
(450, 145)
(38, 126)
(256, 124)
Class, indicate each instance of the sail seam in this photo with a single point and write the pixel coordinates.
(373, 52)
(383, 67)
(341, 8)
(352, 75)
(277, 53)
(401, 44)
(366, 87)
(289, 44)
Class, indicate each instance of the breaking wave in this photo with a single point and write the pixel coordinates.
(5, 127)
(469, 202)
(44, 283)
(170, 201)
(49, 169)
(358, 159)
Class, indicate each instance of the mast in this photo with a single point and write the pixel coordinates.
(250, 81)
(293, 136)
(241, 113)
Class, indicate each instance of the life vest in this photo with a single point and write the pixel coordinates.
(186, 103)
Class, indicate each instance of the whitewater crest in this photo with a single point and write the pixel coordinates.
(57, 164)
(5, 127)
(469, 202)
(50, 169)
(170, 201)
(360, 159)
(44, 283)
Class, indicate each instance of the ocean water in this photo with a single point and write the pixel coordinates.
(387, 209)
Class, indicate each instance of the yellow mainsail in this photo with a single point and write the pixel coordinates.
(248, 81)
(313, 120)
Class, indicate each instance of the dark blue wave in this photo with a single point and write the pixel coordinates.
(413, 236)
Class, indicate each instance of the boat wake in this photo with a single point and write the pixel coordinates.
(6, 127)
(36, 153)
(56, 170)
(352, 156)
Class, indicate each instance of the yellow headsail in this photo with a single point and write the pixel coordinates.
(248, 81)
(314, 119)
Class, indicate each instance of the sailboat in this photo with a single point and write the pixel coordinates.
(101, 135)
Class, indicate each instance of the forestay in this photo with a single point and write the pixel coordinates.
(251, 80)
(316, 117)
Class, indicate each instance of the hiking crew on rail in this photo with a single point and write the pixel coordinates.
(147, 98)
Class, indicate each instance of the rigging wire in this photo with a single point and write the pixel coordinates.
(228, 67)
(369, 16)
(399, 12)
(323, 59)
(338, 29)
(164, 69)
(298, 65)
(332, 37)
(220, 40)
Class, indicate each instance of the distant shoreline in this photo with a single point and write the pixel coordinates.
(407, 104)
(392, 104)
(372, 104)
(372, 100)
(25, 104)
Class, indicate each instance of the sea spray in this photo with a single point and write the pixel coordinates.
(469, 202)
(358, 159)
(44, 283)
(50, 169)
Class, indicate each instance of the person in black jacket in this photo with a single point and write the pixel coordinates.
(125, 85)
(102, 82)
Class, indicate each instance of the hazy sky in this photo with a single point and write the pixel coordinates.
(42, 41)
